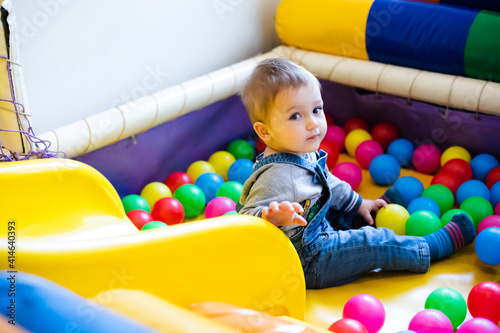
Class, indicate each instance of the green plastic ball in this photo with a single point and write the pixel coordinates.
(241, 149)
(478, 208)
(441, 195)
(452, 212)
(233, 212)
(135, 201)
(450, 302)
(421, 223)
(231, 190)
(154, 225)
(192, 199)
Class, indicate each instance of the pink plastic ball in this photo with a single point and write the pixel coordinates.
(430, 321)
(336, 135)
(489, 221)
(366, 309)
(497, 209)
(367, 151)
(427, 158)
(348, 172)
(478, 325)
(219, 206)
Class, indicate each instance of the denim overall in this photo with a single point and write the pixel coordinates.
(331, 252)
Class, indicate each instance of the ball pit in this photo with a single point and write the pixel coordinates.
(354, 138)
(177, 179)
(221, 161)
(154, 191)
(209, 183)
(481, 165)
(198, 168)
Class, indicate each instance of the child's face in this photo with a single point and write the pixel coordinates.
(296, 123)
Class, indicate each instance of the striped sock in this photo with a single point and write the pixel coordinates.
(452, 237)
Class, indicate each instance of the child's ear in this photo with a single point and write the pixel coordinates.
(262, 131)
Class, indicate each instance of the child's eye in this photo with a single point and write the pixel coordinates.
(294, 116)
(317, 110)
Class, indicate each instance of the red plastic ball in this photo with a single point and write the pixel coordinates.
(168, 210)
(493, 177)
(367, 151)
(177, 179)
(497, 209)
(447, 179)
(139, 217)
(333, 153)
(329, 120)
(347, 325)
(348, 172)
(385, 133)
(356, 123)
(459, 168)
(336, 135)
(427, 158)
(260, 146)
(484, 301)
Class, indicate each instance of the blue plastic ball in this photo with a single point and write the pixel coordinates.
(240, 170)
(481, 165)
(209, 183)
(495, 194)
(487, 245)
(424, 203)
(472, 188)
(410, 188)
(402, 150)
(384, 169)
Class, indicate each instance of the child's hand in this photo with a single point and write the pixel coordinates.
(284, 213)
(367, 206)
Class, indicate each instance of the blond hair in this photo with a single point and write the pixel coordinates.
(267, 80)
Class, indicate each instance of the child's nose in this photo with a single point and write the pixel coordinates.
(312, 123)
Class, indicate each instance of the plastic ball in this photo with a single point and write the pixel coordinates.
(455, 152)
(484, 301)
(231, 190)
(489, 221)
(135, 201)
(139, 217)
(472, 188)
(459, 168)
(219, 206)
(347, 325)
(487, 245)
(221, 161)
(241, 149)
(427, 158)
(154, 191)
(209, 183)
(410, 188)
(168, 210)
(177, 179)
(192, 199)
(424, 203)
(478, 208)
(354, 138)
(441, 195)
(497, 209)
(495, 194)
(385, 133)
(356, 123)
(240, 170)
(260, 146)
(393, 217)
(481, 165)
(367, 151)
(154, 225)
(348, 172)
(333, 153)
(384, 169)
(402, 150)
(233, 212)
(198, 168)
(366, 309)
(422, 223)
(329, 119)
(446, 218)
(431, 321)
(493, 177)
(478, 325)
(336, 135)
(447, 179)
(450, 302)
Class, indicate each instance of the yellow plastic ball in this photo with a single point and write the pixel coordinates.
(221, 161)
(455, 152)
(354, 138)
(154, 191)
(392, 217)
(198, 168)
